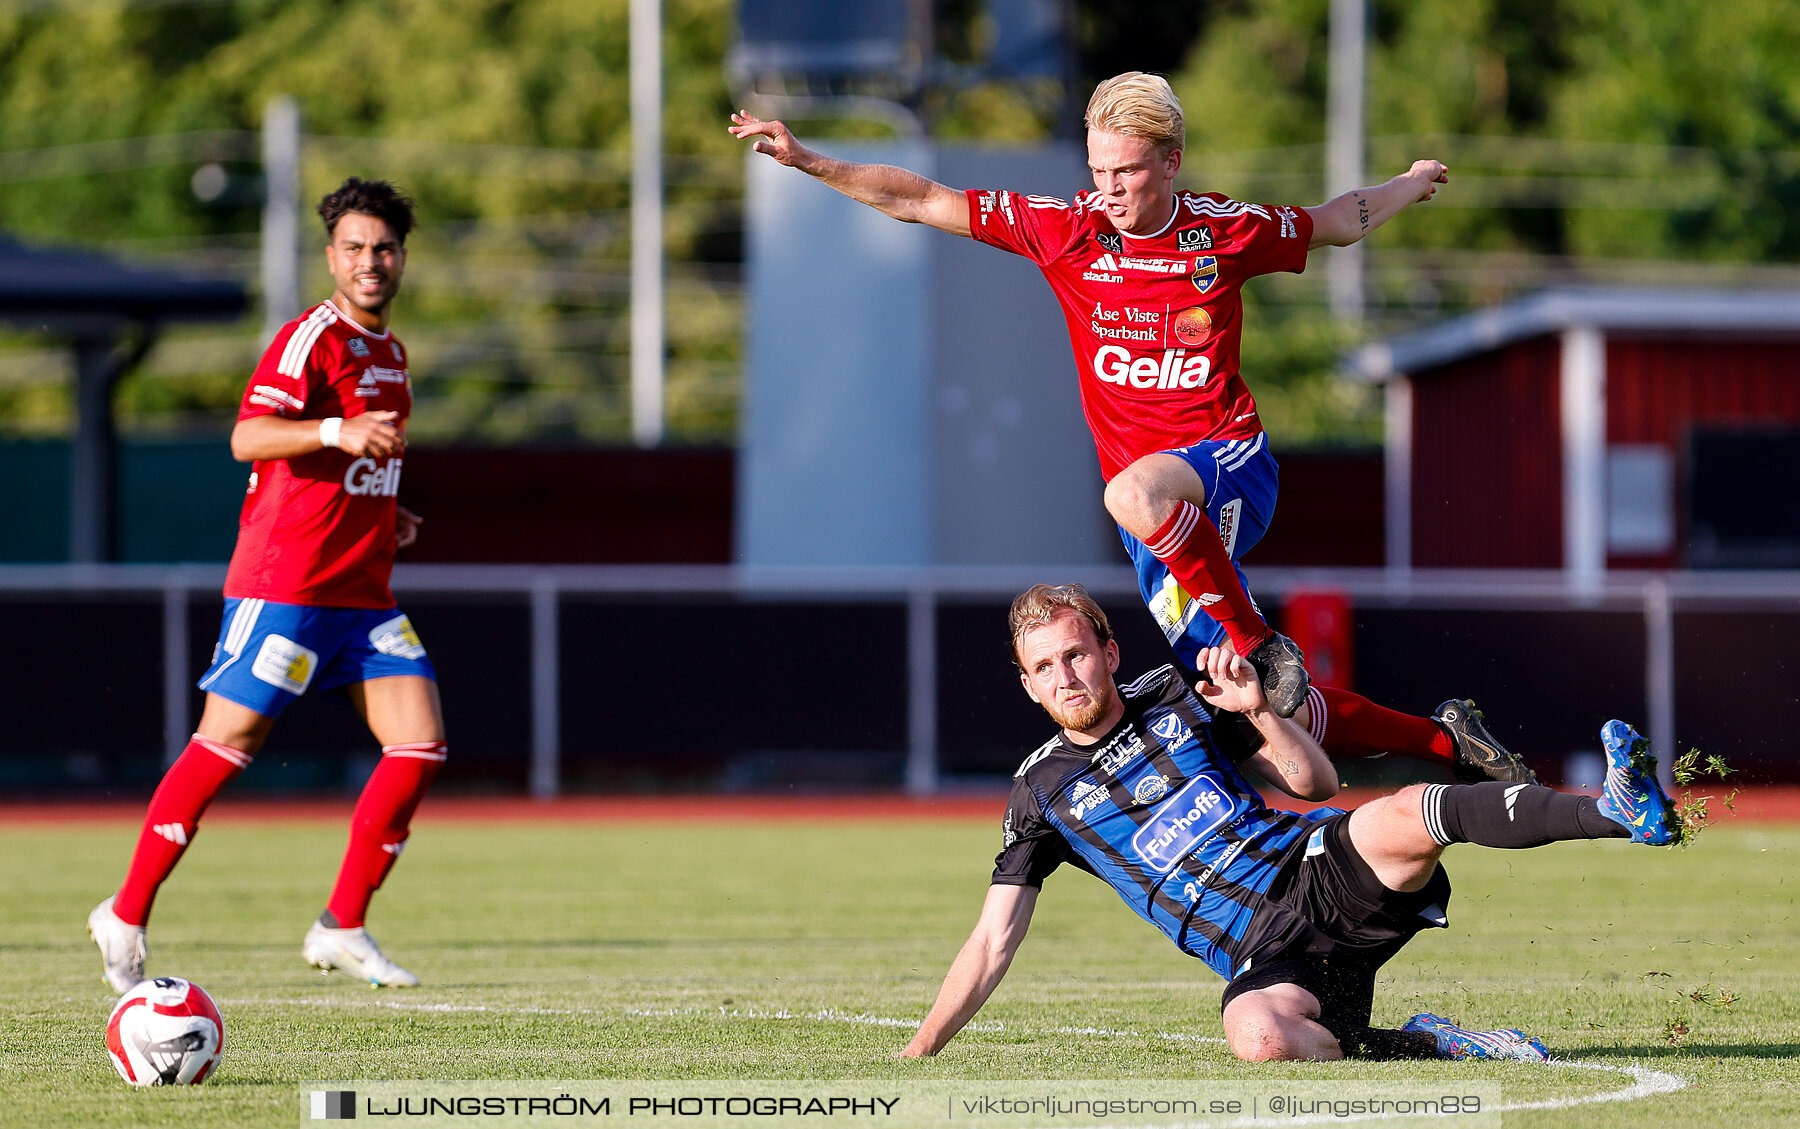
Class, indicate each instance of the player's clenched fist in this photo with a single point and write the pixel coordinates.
(373, 434)
(1429, 174)
(775, 138)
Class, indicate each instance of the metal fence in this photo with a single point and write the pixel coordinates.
(1657, 597)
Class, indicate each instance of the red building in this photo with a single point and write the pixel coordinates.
(1593, 429)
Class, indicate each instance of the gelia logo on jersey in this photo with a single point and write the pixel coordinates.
(1190, 817)
(1114, 364)
(367, 478)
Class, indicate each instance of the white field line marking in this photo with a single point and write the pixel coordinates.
(1644, 1081)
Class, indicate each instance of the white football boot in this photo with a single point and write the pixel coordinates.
(122, 947)
(355, 952)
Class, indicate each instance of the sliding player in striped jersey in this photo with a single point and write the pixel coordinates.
(307, 603)
(1147, 787)
(1149, 280)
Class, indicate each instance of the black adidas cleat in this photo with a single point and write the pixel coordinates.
(1281, 667)
(1479, 757)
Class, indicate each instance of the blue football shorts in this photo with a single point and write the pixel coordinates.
(269, 654)
(1241, 480)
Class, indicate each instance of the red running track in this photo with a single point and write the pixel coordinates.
(1755, 805)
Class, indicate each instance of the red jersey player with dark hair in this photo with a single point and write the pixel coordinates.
(307, 603)
(1150, 280)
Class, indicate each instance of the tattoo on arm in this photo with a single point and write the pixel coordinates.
(1291, 767)
(1362, 208)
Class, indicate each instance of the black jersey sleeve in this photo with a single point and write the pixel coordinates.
(1237, 738)
(1030, 848)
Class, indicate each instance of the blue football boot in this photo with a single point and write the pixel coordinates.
(1631, 797)
(1460, 1042)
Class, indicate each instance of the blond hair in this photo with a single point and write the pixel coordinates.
(1040, 604)
(1139, 105)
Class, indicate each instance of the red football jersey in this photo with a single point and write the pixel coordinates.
(319, 529)
(1155, 321)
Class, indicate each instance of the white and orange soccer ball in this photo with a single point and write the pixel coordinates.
(165, 1032)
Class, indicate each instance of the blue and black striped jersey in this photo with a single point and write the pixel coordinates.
(1157, 809)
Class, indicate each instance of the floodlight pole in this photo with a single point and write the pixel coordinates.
(647, 341)
(1344, 145)
(281, 213)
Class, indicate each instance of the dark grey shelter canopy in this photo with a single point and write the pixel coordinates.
(109, 314)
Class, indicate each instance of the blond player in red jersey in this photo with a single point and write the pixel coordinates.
(1149, 280)
(307, 604)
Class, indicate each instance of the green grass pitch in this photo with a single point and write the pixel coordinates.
(768, 950)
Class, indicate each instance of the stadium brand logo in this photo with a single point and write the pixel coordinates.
(1171, 730)
(366, 478)
(1112, 759)
(1191, 239)
(1174, 369)
(1150, 789)
(1191, 816)
(1085, 798)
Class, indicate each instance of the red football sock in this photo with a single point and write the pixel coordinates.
(202, 770)
(1349, 725)
(1195, 554)
(378, 827)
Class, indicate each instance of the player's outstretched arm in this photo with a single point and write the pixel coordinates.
(977, 970)
(896, 192)
(1289, 758)
(1346, 219)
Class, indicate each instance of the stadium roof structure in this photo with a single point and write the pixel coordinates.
(62, 290)
(1609, 309)
(110, 313)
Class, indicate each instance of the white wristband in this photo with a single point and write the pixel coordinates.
(328, 430)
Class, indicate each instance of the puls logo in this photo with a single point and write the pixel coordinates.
(1119, 755)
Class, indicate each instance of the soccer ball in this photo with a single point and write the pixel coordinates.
(165, 1032)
